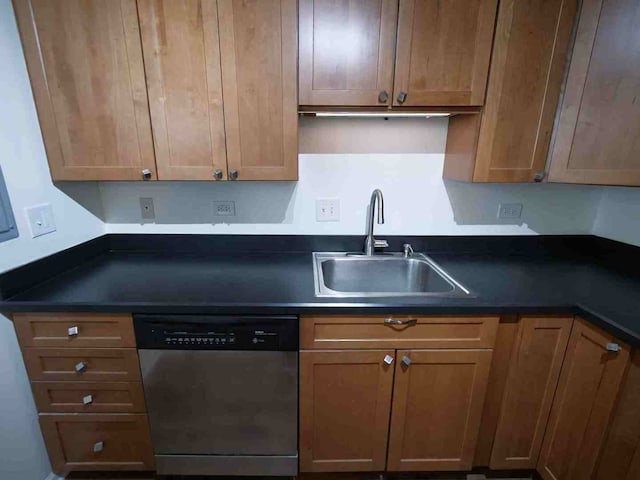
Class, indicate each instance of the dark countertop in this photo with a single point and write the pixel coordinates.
(585, 275)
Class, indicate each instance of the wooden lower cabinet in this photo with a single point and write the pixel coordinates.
(437, 407)
(587, 391)
(345, 399)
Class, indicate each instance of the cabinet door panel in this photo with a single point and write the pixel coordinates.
(597, 139)
(443, 51)
(87, 74)
(345, 399)
(182, 62)
(258, 44)
(586, 394)
(437, 408)
(533, 377)
(347, 49)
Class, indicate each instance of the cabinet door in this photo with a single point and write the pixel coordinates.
(443, 52)
(85, 64)
(345, 399)
(347, 49)
(258, 44)
(597, 138)
(531, 384)
(529, 55)
(182, 63)
(587, 391)
(437, 407)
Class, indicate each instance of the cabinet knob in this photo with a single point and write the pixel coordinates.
(98, 447)
(538, 177)
(81, 367)
(388, 359)
(233, 174)
(217, 174)
(613, 347)
(87, 400)
(406, 361)
(383, 96)
(402, 96)
(146, 174)
(72, 331)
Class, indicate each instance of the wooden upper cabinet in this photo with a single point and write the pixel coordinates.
(258, 43)
(443, 52)
(437, 407)
(86, 69)
(597, 139)
(182, 61)
(347, 50)
(587, 391)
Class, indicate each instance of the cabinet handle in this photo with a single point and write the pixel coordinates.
(72, 331)
(406, 361)
(146, 174)
(383, 96)
(233, 174)
(87, 400)
(613, 347)
(409, 321)
(217, 174)
(402, 96)
(538, 177)
(81, 367)
(388, 359)
(98, 447)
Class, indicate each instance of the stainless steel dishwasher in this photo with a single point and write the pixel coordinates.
(222, 393)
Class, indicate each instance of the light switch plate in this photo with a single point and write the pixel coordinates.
(226, 208)
(327, 210)
(40, 219)
(509, 210)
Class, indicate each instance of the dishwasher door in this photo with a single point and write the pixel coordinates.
(229, 403)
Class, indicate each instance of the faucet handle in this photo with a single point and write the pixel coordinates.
(380, 244)
(407, 250)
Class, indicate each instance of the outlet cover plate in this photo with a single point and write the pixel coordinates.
(509, 210)
(226, 208)
(327, 210)
(41, 220)
(147, 211)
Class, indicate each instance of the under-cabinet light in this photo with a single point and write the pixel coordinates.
(380, 114)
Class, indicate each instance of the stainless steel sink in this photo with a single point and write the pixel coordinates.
(385, 275)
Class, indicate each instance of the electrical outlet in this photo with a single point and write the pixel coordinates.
(147, 211)
(41, 220)
(225, 208)
(328, 210)
(509, 210)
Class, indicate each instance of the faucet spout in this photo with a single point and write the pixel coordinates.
(370, 241)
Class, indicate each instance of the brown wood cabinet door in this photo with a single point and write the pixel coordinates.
(85, 64)
(182, 64)
(531, 385)
(345, 400)
(587, 391)
(597, 137)
(443, 51)
(258, 44)
(529, 56)
(437, 407)
(347, 50)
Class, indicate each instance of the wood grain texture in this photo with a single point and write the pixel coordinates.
(102, 364)
(597, 138)
(86, 70)
(587, 390)
(70, 440)
(347, 51)
(533, 377)
(182, 64)
(529, 56)
(352, 332)
(94, 330)
(437, 407)
(620, 457)
(107, 397)
(345, 400)
(443, 51)
(258, 44)
(462, 145)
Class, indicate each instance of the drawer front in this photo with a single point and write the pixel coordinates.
(394, 331)
(74, 330)
(82, 364)
(97, 442)
(89, 397)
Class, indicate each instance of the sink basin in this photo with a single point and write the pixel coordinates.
(386, 275)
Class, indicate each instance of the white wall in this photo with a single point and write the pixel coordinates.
(23, 162)
(618, 215)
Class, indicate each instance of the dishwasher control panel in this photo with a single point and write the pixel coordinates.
(195, 332)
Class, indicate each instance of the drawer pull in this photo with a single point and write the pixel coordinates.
(391, 321)
(81, 367)
(98, 447)
(613, 347)
(388, 359)
(87, 400)
(73, 331)
(406, 361)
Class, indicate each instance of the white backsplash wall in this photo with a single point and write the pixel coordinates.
(618, 215)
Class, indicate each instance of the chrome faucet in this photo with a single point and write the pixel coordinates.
(370, 243)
